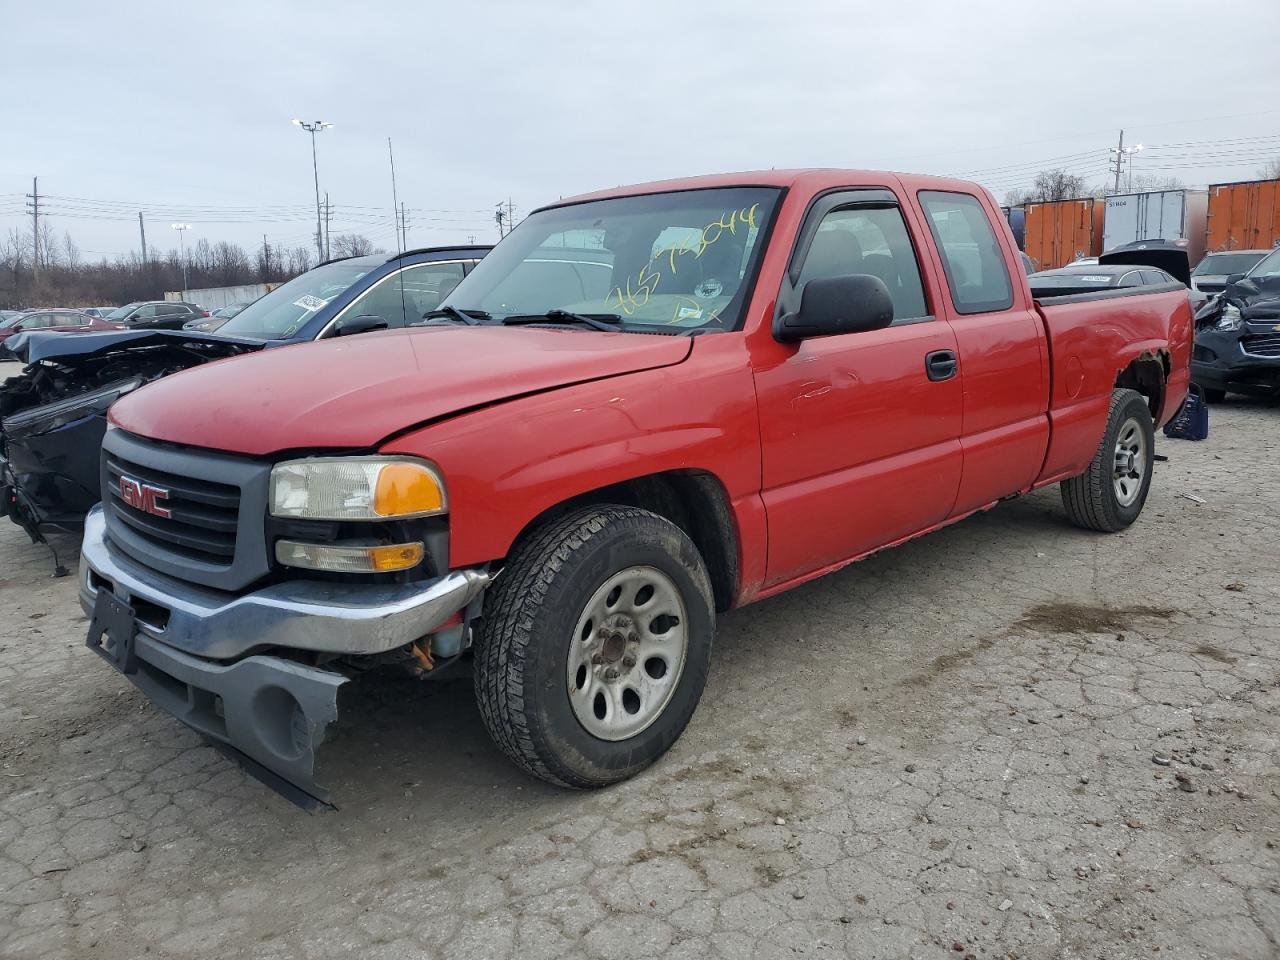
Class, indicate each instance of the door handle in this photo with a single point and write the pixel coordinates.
(941, 364)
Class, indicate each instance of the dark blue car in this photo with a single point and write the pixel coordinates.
(53, 416)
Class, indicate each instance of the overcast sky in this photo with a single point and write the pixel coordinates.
(182, 110)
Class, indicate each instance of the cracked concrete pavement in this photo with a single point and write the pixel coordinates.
(1009, 739)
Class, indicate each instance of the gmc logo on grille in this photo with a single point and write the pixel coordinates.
(144, 497)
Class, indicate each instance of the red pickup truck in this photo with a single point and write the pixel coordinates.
(646, 406)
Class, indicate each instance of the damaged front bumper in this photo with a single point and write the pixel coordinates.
(221, 662)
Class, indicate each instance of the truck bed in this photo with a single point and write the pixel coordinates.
(1092, 338)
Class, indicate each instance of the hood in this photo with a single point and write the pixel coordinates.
(352, 392)
(35, 345)
(1168, 257)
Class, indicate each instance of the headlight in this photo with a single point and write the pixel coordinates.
(1229, 319)
(356, 488)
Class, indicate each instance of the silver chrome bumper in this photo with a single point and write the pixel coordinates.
(301, 614)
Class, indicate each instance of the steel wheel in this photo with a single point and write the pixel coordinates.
(1130, 462)
(627, 653)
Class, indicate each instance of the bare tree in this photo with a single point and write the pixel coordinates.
(1057, 185)
(297, 260)
(351, 245)
(70, 251)
(1271, 171)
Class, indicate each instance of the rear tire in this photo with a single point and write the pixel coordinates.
(595, 645)
(1110, 494)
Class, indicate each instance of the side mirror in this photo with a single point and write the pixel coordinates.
(361, 324)
(833, 305)
(1235, 277)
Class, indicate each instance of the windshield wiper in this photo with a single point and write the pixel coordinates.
(470, 317)
(596, 321)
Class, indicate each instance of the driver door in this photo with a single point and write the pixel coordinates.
(859, 432)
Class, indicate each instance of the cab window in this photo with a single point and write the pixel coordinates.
(971, 256)
(868, 239)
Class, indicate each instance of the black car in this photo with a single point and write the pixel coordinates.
(1237, 347)
(53, 416)
(1066, 281)
(156, 314)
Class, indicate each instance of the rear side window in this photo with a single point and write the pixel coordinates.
(971, 256)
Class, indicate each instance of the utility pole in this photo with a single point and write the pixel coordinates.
(34, 206)
(328, 212)
(1119, 152)
(182, 228)
(266, 258)
(401, 244)
(504, 216)
(142, 232)
(312, 128)
(1122, 152)
(404, 226)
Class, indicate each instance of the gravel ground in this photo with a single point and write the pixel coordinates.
(1009, 739)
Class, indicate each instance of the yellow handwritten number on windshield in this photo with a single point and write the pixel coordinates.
(637, 291)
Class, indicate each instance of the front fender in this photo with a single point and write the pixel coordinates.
(506, 464)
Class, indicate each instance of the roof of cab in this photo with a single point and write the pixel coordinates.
(810, 180)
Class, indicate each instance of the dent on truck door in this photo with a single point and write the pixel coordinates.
(1002, 352)
(860, 439)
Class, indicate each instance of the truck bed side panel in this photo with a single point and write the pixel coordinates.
(1091, 342)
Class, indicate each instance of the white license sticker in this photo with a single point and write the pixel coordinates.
(308, 302)
(1096, 279)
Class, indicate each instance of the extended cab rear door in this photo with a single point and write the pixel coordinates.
(859, 432)
(1002, 346)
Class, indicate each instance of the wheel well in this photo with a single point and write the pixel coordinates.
(1147, 374)
(694, 501)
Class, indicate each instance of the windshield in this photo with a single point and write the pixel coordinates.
(283, 311)
(1268, 267)
(676, 260)
(10, 320)
(1225, 264)
(119, 313)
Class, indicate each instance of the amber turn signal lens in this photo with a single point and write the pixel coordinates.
(404, 489)
(400, 556)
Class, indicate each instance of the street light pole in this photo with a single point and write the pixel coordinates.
(182, 252)
(312, 128)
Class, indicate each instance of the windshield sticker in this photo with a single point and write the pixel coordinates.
(636, 293)
(687, 313)
(708, 289)
(308, 302)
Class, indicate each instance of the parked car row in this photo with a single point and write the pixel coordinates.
(62, 321)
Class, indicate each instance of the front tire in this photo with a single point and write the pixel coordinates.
(595, 646)
(1110, 494)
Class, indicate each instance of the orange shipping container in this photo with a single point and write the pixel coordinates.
(1059, 231)
(1244, 216)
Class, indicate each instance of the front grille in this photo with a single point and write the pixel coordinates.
(203, 516)
(1261, 345)
(214, 533)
